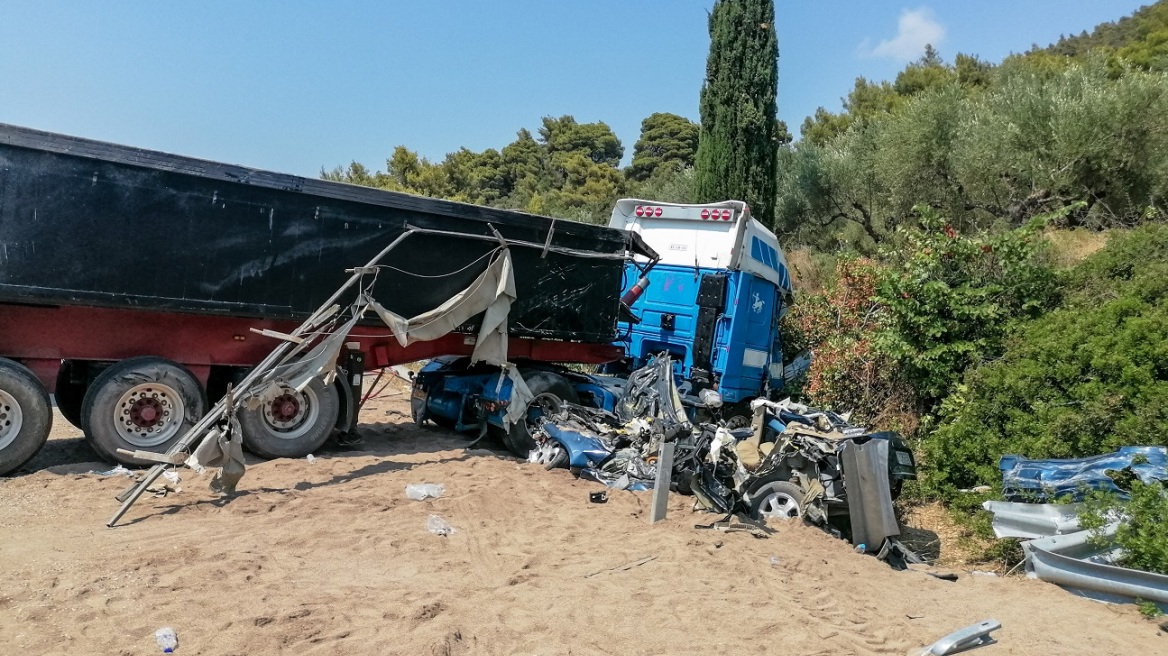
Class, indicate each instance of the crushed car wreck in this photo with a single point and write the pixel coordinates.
(791, 462)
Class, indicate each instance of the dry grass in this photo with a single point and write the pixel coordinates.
(810, 272)
(929, 529)
(1069, 247)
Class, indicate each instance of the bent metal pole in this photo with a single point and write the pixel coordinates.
(131, 494)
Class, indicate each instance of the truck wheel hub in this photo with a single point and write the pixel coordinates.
(11, 419)
(285, 408)
(146, 413)
(149, 414)
(292, 414)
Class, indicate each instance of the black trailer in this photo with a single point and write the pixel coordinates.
(118, 262)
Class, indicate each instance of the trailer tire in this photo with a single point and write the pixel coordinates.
(549, 390)
(26, 415)
(145, 403)
(292, 425)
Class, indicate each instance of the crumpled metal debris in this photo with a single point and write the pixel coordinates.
(1038, 481)
(1056, 551)
(1077, 562)
(617, 449)
(729, 470)
(1033, 520)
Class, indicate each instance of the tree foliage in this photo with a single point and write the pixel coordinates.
(838, 325)
(739, 142)
(1084, 379)
(989, 147)
(951, 298)
(570, 170)
(1141, 39)
(667, 140)
(1142, 536)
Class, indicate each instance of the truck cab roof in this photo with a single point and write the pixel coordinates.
(719, 235)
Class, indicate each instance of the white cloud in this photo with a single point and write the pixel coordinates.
(915, 29)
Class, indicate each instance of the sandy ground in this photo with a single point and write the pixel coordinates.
(332, 558)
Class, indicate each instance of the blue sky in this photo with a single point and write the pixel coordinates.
(295, 85)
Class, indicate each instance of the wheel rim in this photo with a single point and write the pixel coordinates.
(541, 406)
(11, 419)
(548, 453)
(292, 414)
(779, 505)
(737, 421)
(149, 414)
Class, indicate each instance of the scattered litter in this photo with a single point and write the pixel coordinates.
(774, 561)
(970, 637)
(160, 492)
(167, 639)
(172, 476)
(861, 548)
(735, 523)
(923, 568)
(439, 526)
(977, 572)
(422, 491)
(116, 471)
(598, 497)
(311, 459)
(622, 568)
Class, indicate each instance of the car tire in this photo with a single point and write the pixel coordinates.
(777, 499)
(549, 390)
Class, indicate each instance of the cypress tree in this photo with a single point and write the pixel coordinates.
(738, 144)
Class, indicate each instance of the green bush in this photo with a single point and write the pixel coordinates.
(1142, 535)
(847, 374)
(950, 299)
(1084, 379)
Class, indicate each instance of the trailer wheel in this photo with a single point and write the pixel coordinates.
(144, 403)
(549, 390)
(25, 415)
(293, 424)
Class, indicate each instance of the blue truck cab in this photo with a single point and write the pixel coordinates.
(713, 301)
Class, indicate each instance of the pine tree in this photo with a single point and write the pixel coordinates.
(738, 145)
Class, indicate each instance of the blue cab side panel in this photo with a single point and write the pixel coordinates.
(745, 338)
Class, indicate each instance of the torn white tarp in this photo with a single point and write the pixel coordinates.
(321, 361)
(521, 396)
(222, 449)
(492, 292)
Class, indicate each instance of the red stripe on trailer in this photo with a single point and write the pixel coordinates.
(41, 337)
